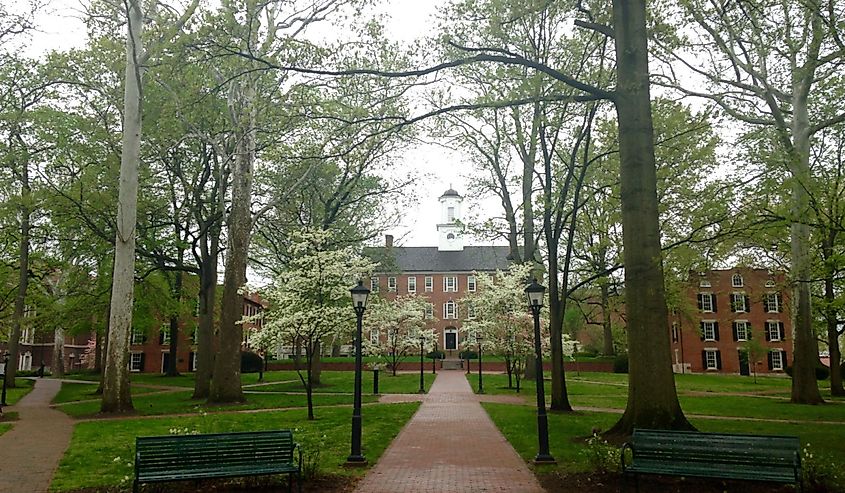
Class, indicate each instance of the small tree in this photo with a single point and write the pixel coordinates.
(310, 301)
(756, 351)
(394, 327)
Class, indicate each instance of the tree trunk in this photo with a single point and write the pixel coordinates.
(226, 384)
(652, 397)
(117, 397)
(172, 371)
(832, 335)
(316, 369)
(23, 279)
(204, 355)
(805, 387)
(57, 366)
(607, 328)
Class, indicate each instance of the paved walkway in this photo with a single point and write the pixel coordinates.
(30, 452)
(450, 445)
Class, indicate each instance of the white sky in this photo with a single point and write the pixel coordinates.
(61, 28)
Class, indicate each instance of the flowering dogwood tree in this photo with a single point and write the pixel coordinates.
(310, 301)
(395, 327)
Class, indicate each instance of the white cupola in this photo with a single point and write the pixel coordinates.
(450, 229)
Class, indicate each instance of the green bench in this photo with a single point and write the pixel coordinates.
(713, 455)
(218, 455)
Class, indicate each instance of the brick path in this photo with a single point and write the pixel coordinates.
(30, 452)
(450, 445)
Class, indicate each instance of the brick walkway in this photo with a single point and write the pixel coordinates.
(32, 449)
(450, 445)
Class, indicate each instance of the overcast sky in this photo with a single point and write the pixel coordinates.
(61, 28)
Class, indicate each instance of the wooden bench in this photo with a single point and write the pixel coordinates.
(219, 455)
(714, 455)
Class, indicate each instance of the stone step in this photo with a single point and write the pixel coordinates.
(452, 364)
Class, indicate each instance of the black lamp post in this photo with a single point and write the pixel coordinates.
(434, 358)
(422, 361)
(359, 303)
(5, 371)
(535, 301)
(479, 339)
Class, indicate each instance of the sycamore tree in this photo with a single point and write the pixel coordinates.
(395, 327)
(310, 301)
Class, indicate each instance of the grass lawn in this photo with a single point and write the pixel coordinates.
(343, 381)
(23, 387)
(181, 403)
(567, 431)
(74, 391)
(101, 453)
(4, 427)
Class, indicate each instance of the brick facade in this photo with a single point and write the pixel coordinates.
(724, 310)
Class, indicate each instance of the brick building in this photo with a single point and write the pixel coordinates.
(730, 312)
(443, 274)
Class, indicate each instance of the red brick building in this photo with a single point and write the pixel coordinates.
(730, 312)
(443, 274)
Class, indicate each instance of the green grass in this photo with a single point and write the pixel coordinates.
(343, 382)
(23, 387)
(181, 403)
(101, 453)
(4, 427)
(74, 391)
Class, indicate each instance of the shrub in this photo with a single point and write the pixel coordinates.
(820, 472)
(602, 456)
(620, 363)
(468, 355)
(822, 372)
(251, 362)
(436, 355)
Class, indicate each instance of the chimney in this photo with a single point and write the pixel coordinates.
(388, 241)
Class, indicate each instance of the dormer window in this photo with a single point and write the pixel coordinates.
(770, 283)
(736, 281)
(704, 283)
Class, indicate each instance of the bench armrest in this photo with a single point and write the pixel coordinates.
(626, 445)
(299, 463)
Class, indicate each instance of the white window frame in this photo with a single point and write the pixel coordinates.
(193, 361)
(450, 284)
(745, 327)
(391, 284)
(676, 336)
(429, 284)
(450, 310)
(28, 336)
(374, 336)
(708, 354)
(736, 298)
(429, 311)
(773, 330)
(707, 307)
(132, 362)
(374, 285)
(165, 331)
(412, 284)
(777, 360)
(772, 300)
(704, 283)
(450, 214)
(137, 336)
(470, 311)
(709, 324)
(472, 284)
(737, 281)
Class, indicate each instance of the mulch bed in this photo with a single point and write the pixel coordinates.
(323, 484)
(613, 483)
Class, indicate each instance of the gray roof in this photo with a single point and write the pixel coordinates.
(430, 259)
(451, 193)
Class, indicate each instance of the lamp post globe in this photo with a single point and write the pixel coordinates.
(359, 304)
(535, 292)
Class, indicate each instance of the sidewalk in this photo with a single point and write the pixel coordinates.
(30, 452)
(451, 445)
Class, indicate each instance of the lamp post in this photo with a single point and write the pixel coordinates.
(479, 339)
(422, 361)
(5, 370)
(359, 303)
(434, 359)
(535, 301)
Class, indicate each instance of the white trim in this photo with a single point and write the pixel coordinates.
(132, 361)
(410, 288)
(429, 284)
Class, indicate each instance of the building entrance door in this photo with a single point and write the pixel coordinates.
(743, 363)
(451, 339)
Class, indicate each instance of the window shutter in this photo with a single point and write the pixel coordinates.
(781, 332)
(766, 303)
(700, 302)
(780, 302)
(716, 330)
(748, 304)
(783, 358)
(766, 332)
(748, 331)
(733, 302)
(733, 326)
(161, 337)
(713, 302)
(703, 360)
(143, 358)
(701, 329)
(444, 312)
(771, 364)
(718, 360)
